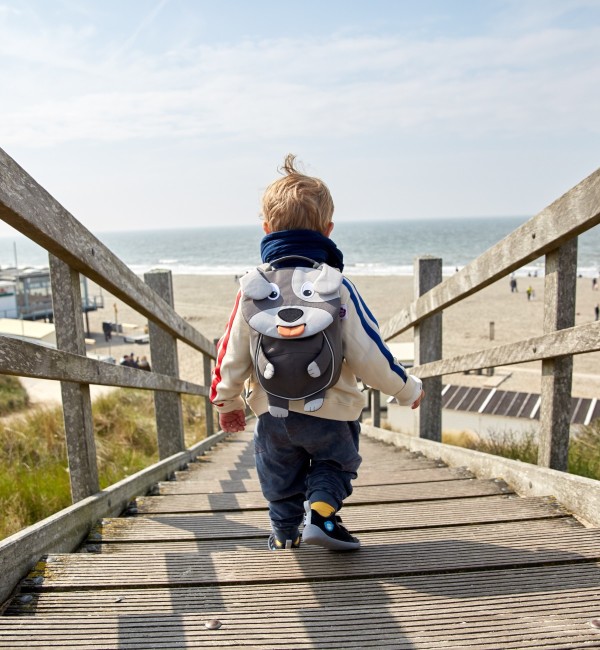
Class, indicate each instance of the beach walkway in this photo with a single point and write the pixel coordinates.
(447, 561)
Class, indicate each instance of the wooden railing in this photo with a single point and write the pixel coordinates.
(553, 234)
(73, 250)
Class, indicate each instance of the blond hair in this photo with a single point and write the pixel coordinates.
(297, 201)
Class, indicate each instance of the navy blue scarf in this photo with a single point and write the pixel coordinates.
(308, 243)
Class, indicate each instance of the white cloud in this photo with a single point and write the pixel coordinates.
(337, 87)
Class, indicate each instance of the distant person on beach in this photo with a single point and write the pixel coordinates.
(107, 329)
(594, 284)
(143, 364)
(305, 458)
(597, 312)
(530, 292)
(513, 284)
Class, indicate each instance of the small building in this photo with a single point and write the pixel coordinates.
(8, 299)
(28, 294)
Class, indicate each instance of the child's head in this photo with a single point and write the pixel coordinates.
(297, 201)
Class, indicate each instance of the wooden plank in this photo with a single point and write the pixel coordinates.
(575, 340)
(403, 516)
(386, 628)
(367, 494)
(488, 590)
(370, 477)
(575, 212)
(578, 494)
(31, 210)
(66, 529)
(382, 554)
(24, 359)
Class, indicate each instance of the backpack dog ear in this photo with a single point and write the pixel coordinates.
(254, 285)
(329, 280)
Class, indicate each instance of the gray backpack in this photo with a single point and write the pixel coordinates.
(295, 331)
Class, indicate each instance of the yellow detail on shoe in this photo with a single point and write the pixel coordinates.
(278, 544)
(324, 509)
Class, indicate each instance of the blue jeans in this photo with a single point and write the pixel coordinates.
(304, 457)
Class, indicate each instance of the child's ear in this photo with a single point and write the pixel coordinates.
(329, 280)
(254, 285)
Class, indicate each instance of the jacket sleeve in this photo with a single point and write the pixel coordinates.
(369, 357)
(233, 365)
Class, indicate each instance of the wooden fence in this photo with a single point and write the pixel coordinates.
(73, 250)
(553, 234)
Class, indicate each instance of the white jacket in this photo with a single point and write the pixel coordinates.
(365, 356)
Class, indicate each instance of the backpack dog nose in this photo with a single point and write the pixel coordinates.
(290, 315)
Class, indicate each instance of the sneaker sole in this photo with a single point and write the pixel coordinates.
(313, 535)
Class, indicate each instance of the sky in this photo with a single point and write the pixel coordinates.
(152, 114)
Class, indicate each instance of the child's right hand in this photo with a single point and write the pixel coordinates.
(233, 421)
(417, 402)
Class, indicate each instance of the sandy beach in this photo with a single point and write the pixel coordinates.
(206, 302)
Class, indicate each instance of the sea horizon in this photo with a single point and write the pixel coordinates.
(376, 247)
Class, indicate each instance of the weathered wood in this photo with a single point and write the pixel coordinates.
(65, 530)
(486, 592)
(163, 349)
(577, 494)
(575, 340)
(375, 407)
(208, 407)
(358, 518)
(428, 347)
(572, 214)
(24, 359)
(76, 400)
(560, 287)
(367, 494)
(31, 210)
(369, 476)
(481, 572)
(385, 553)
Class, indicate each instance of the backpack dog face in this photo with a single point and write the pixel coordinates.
(291, 302)
(294, 319)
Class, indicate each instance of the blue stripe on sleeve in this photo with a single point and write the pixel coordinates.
(359, 305)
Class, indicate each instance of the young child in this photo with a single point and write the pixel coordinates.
(306, 459)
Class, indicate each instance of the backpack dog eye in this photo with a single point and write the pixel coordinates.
(295, 331)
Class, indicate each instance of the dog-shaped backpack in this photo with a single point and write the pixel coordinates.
(295, 331)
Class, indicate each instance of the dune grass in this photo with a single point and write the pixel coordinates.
(13, 397)
(34, 477)
(584, 448)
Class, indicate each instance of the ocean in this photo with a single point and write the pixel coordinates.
(370, 248)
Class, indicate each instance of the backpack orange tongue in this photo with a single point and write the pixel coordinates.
(290, 332)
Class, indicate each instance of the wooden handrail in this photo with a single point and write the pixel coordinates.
(31, 210)
(23, 359)
(575, 212)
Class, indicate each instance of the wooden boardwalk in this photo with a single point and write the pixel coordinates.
(447, 561)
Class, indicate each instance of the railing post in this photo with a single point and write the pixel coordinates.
(560, 286)
(428, 347)
(163, 351)
(208, 407)
(376, 407)
(76, 400)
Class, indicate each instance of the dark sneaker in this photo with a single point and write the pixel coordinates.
(327, 532)
(281, 544)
